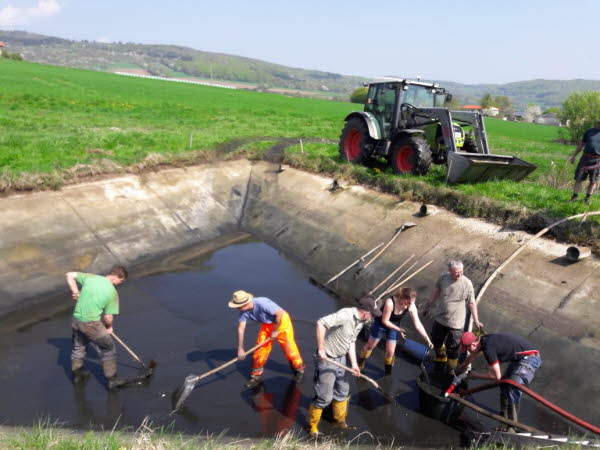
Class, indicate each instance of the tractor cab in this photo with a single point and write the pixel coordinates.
(389, 102)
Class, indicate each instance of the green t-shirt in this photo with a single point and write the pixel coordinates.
(97, 295)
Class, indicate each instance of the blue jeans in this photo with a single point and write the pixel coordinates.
(522, 372)
(378, 330)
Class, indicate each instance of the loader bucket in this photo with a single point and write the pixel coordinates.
(475, 167)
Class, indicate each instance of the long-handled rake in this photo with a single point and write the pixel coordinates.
(148, 368)
(190, 381)
(366, 378)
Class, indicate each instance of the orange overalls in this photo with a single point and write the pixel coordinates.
(285, 339)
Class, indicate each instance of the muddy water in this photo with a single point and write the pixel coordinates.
(174, 311)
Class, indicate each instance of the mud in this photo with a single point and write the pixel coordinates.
(174, 311)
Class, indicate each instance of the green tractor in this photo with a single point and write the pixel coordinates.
(405, 122)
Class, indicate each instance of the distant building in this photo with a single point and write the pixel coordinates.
(1, 47)
(517, 116)
(471, 108)
(492, 111)
(548, 119)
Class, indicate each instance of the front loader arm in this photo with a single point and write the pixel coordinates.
(446, 118)
(474, 119)
(443, 117)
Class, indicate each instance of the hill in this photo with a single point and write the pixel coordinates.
(183, 62)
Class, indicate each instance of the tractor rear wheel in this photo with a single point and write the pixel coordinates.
(410, 154)
(355, 142)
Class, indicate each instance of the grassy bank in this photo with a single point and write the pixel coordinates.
(47, 436)
(64, 125)
(50, 437)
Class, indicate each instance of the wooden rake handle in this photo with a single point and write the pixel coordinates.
(364, 377)
(131, 352)
(233, 361)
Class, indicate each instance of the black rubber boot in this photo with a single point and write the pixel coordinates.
(80, 376)
(298, 375)
(115, 383)
(254, 380)
(503, 411)
(513, 414)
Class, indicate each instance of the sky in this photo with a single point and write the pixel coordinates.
(466, 41)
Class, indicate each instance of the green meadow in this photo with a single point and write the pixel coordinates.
(53, 119)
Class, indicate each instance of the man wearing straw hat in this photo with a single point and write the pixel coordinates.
(336, 339)
(455, 292)
(275, 324)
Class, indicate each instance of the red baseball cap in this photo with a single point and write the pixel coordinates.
(467, 339)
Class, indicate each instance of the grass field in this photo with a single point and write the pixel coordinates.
(53, 119)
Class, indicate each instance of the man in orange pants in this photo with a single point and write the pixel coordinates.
(276, 324)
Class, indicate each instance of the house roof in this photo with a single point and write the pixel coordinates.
(1, 44)
(471, 107)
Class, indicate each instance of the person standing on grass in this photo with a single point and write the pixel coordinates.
(589, 163)
(275, 324)
(336, 340)
(455, 292)
(523, 358)
(97, 303)
(394, 309)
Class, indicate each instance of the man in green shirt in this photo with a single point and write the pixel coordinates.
(97, 303)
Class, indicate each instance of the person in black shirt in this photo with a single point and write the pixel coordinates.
(588, 163)
(394, 309)
(498, 348)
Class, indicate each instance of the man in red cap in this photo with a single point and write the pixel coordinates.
(498, 348)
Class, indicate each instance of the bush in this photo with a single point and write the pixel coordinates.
(359, 95)
(580, 111)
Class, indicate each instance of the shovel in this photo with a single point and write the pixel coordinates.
(370, 380)
(190, 381)
(151, 365)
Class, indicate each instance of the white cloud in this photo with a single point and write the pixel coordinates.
(104, 40)
(11, 16)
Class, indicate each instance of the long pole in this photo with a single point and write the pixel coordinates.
(131, 352)
(396, 234)
(403, 281)
(519, 250)
(353, 264)
(372, 291)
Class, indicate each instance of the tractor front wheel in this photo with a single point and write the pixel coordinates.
(410, 154)
(355, 142)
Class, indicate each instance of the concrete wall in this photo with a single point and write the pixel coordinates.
(538, 295)
(90, 227)
(131, 218)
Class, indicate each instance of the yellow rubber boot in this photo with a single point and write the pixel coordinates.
(340, 413)
(440, 359)
(313, 419)
(389, 365)
(452, 363)
(362, 359)
(440, 354)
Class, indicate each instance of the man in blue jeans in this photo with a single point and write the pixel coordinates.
(498, 348)
(588, 166)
